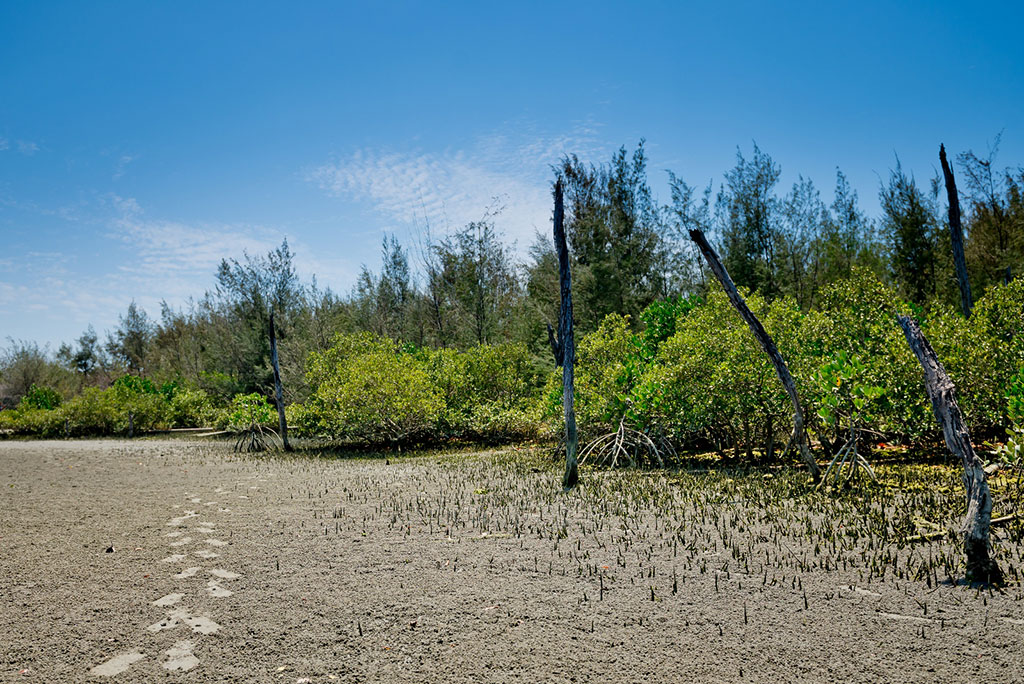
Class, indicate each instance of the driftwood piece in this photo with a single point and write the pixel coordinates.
(799, 436)
(975, 529)
(278, 389)
(564, 347)
(956, 233)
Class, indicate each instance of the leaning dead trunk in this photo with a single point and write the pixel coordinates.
(278, 390)
(942, 392)
(564, 347)
(799, 436)
(956, 233)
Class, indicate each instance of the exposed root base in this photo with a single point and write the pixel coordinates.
(849, 460)
(628, 447)
(255, 439)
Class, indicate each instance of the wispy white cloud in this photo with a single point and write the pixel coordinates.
(175, 260)
(4, 144)
(178, 253)
(447, 189)
(122, 165)
(145, 259)
(27, 147)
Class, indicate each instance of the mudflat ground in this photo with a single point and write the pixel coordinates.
(461, 568)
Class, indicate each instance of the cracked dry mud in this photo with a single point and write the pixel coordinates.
(232, 569)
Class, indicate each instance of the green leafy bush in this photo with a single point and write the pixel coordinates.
(368, 389)
(1013, 450)
(131, 404)
(41, 398)
(488, 391)
(702, 378)
(193, 408)
(608, 363)
(660, 319)
(857, 320)
(710, 381)
(247, 410)
(92, 413)
(136, 404)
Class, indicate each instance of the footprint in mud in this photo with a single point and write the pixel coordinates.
(214, 589)
(198, 623)
(117, 664)
(224, 574)
(180, 520)
(168, 600)
(180, 656)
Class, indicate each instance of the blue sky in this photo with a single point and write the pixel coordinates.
(140, 143)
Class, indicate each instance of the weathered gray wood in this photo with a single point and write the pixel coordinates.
(799, 436)
(564, 347)
(975, 530)
(278, 389)
(956, 232)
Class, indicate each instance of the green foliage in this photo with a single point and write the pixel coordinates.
(1013, 450)
(370, 389)
(984, 353)
(92, 413)
(660, 317)
(136, 404)
(703, 379)
(608, 364)
(857, 320)
(366, 388)
(711, 382)
(488, 391)
(193, 408)
(41, 398)
(251, 409)
(132, 403)
(844, 399)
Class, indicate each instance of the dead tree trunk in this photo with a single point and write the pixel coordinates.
(278, 390)
(564, 347)
(799, 436)
(956, 232)
(942, 392)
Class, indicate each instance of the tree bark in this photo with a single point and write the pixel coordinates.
(957, 234)
(975, 530)
(799, 435)
(278, 390)
(564, 346)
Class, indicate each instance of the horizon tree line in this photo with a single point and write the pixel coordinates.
(626, 251)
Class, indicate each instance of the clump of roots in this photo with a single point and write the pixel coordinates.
(848, 459)
(255, 438)
(627, 447)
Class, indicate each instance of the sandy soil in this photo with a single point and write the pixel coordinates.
(446, 569)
